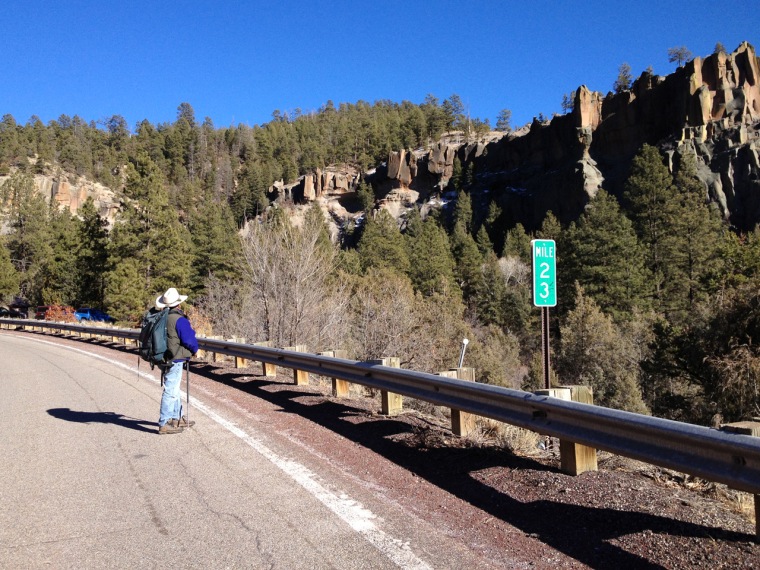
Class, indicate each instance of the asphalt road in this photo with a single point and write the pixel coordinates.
(86, 482)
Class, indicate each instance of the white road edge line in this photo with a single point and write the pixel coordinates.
(349, 510)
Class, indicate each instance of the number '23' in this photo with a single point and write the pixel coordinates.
(544, 274)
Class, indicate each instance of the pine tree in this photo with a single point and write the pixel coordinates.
(431, 265)
(624, 79)
(504, 120)
(692, 244)
(517, 244)
(11, 151)
(496, 227)
(216, 246)
(413, 222)
(381, 244)
(601, 252)
(366, 197)
(125, 293)
(468, 261)
(679, 54)
(315, 218)
(91, 255)
(592, 353)
(463, 212)
(484, 241)
(149, 232)
(491, 293)
(456, 182)
(30, 239)
(650, 195)
(9, 277)
(550, 227)
(57, 280)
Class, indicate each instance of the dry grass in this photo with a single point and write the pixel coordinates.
(517, 440)
(745, 505)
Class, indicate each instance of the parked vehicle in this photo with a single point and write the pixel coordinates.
(89, 314)
(41, 311)
(19, 309)
(16, 313)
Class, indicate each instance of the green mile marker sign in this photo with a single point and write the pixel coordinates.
(544, 272)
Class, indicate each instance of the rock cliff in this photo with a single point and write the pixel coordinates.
(710, 105)
(72, 192)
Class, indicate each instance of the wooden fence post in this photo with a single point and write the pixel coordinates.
(392, 404)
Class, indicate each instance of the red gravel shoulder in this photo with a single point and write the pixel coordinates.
(511, 510)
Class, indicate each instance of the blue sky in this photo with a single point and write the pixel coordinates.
(236, 62)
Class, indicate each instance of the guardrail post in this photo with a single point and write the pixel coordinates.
(268, 369)
(340, 387)
(215, 356)
(463, 423)
(240, 362)
(748, 428)
(574, 457)
(392, 404)
(300, 377)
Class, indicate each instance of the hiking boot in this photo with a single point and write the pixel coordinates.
(169, 427)
(182, 422)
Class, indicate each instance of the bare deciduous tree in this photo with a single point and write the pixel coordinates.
(383, 316)
(293, 292)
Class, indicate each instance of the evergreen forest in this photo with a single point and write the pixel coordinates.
(659, 302)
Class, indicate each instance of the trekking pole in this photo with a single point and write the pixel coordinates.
(187, 414)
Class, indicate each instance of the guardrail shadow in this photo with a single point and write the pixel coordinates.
(581, 532)
(103, 418)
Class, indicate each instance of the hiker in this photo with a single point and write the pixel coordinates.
(182, 345)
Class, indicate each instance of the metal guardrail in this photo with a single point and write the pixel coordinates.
(732, 459)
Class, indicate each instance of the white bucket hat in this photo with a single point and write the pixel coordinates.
(171, 298)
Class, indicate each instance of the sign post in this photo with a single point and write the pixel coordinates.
(544, 255)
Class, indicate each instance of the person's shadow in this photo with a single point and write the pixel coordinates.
(102, 418)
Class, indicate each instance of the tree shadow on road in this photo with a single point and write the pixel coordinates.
(102, 418)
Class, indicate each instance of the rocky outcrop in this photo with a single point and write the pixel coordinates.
(72, 194)
(332, 183)
(710, 106)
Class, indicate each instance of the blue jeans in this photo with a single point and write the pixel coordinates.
(171, 402)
